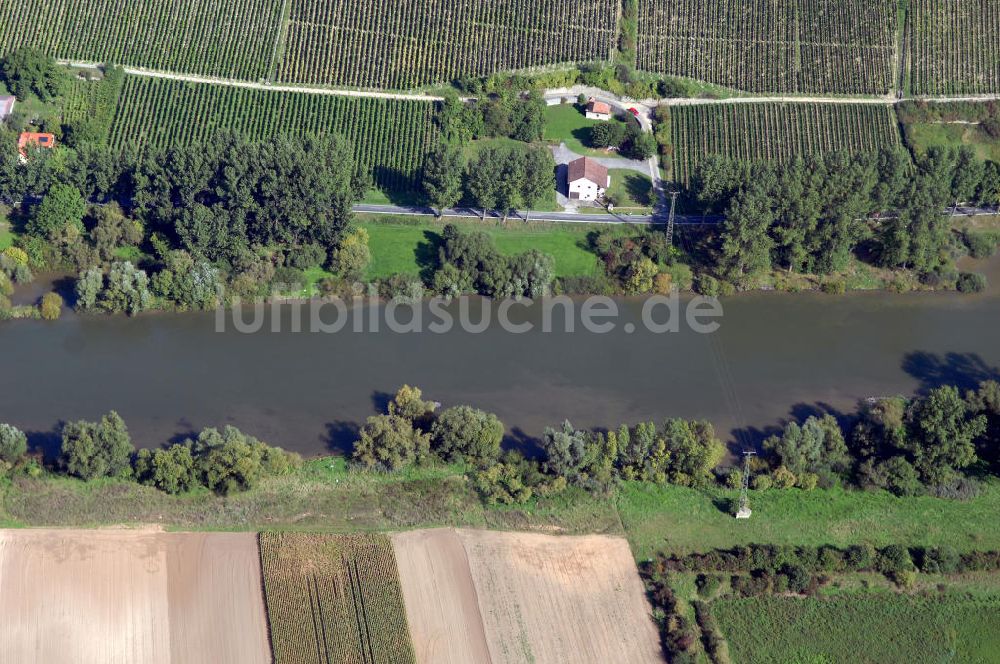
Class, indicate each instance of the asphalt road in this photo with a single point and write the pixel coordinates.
(595, 218)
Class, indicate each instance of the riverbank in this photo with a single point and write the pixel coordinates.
(325, 496)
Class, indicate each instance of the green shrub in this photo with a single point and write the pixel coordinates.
(980, 245)
(971, 282)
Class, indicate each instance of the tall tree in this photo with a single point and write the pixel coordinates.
(443, 176)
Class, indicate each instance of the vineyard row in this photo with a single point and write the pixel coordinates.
(226, 38)
(389, 137)
(807, 46)
(775, 132)
(407, 44)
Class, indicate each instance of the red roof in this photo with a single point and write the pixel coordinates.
(599, 107)
(588, 169)
(34, 138)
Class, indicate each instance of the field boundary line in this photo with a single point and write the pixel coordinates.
(475, 589)
(279, 39)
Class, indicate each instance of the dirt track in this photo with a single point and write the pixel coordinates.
(104, 597)
(541, 599)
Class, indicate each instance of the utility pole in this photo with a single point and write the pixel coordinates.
(670, 219)
(744, 511)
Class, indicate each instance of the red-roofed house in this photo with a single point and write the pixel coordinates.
(31, 138)
(6, 106)
(587, 180)
(598, 110)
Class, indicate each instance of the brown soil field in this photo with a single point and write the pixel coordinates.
(110, 596)
(440, 598)
(540, 598)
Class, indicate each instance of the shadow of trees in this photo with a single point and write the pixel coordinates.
(963, 370)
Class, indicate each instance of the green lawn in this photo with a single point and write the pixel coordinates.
(6, 235)
(683, 519)
(634, 190)
(323, 496)
(922, 136)
(564, 123)
(876, 627)
(406, 245)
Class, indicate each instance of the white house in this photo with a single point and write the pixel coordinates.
(598, 110)
(587, 180)
(6, 106)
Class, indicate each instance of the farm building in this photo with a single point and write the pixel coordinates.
(6, 106)
(34, 139)
(587, 180)
(598, 110)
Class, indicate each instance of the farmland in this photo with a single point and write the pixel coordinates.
(334, 598)
(757, 132)
(822, 46)
(210, 37)
(952, 46)
(407, 44)
(389, 136)
(123, 596)
(475, 596)
(874, 628)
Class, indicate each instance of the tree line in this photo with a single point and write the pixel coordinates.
(930, 444)
(224, 461)
(812, 214)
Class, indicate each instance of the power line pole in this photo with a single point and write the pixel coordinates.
(670, 219)
(744, 511)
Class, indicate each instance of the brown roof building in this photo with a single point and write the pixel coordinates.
(598, 110)
(587, 180)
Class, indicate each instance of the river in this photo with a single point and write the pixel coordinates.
(775, 356)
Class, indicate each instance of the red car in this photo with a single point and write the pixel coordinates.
(634, 111)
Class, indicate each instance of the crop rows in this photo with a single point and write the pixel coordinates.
(821, 46)
(232, 38)
(399, 44)
(389, 137)
(334, 599)
(886, 627)
(953, 46)
(775, 132)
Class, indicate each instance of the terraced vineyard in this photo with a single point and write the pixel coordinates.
(230, 38)
(953, 46)
(821, 46)
(403, 44)
(334, 598)
(757, 132)
(390, 137)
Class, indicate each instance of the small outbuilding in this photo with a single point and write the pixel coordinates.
(587, 179)
(598, 110)
(6, 106)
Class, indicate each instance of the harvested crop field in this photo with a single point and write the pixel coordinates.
(539, 598)
(102, 596)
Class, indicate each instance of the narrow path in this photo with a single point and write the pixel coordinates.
(604, 95)
(194, 78)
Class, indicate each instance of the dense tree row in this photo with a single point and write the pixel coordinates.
(224, 462)
(811, 214)
(411, 431)
(233, 209)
